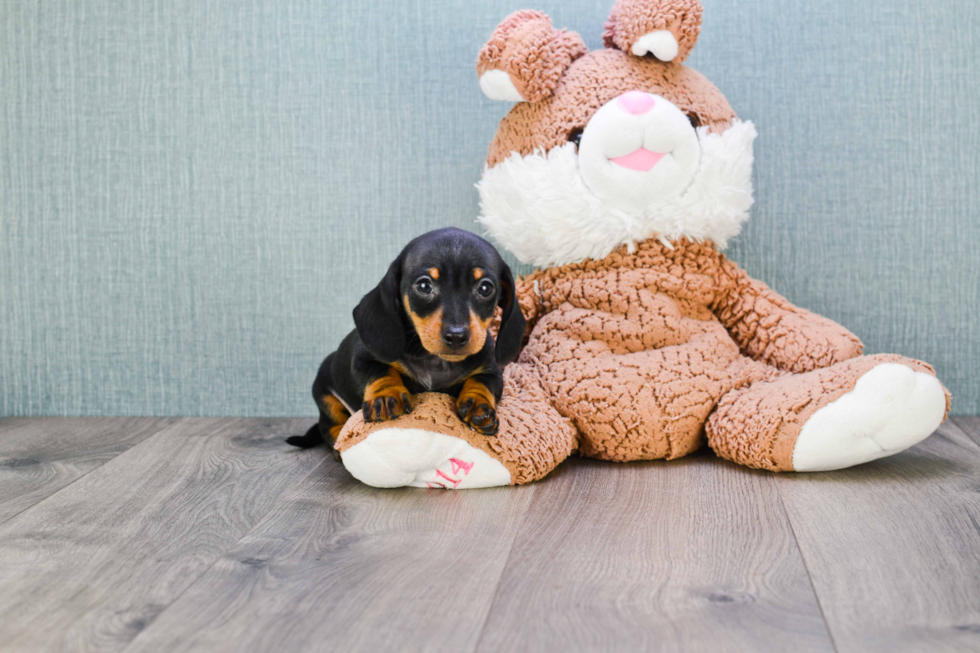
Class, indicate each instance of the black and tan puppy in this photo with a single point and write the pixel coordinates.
(424, 328)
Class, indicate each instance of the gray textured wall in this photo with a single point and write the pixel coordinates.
(194, 193)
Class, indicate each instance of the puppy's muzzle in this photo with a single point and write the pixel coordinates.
(455, 336)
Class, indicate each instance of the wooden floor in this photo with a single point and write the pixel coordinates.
(213, 535)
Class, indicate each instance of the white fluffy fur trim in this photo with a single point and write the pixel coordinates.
(539, 208)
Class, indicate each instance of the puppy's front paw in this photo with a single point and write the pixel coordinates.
(388, 404)
(478, 415)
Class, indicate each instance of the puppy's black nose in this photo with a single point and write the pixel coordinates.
(455, 336)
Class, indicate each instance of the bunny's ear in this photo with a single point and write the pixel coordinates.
(665, 29)
(525, 57)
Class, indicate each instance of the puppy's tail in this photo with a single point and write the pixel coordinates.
(312, 438)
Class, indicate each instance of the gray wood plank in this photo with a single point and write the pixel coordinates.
(339, 566)
(693, 554)
(893, 547)
(970, 426)
(41, 455)
(90, 566)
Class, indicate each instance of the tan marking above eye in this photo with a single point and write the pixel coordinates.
(434, 273)
(478, 273)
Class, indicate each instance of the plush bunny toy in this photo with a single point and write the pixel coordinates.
(621, 174)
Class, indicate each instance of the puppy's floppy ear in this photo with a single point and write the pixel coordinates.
(378, 318)
(511, 332)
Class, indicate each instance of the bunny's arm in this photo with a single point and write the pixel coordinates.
(770, 329)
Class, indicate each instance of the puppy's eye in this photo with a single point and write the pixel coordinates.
(423, 286)
(694, 120)
(485, 289)
(575, 136)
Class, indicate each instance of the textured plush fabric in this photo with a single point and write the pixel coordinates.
(532, 52)
(631, 19)
(194, 195)
(533, 436)
(758, 425)
(637, 356)
(589, 83)
(644, 349)
(540, 208)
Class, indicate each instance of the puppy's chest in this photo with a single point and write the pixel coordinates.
(433, 373)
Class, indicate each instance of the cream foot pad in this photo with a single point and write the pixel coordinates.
(397, 457)
(891, 408)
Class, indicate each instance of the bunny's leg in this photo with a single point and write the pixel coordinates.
(431, 447)
(850, 413)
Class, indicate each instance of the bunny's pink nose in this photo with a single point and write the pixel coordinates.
(636, 102)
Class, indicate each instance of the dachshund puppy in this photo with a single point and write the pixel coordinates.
(424, 328)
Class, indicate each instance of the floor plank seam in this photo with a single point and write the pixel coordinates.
(503, 568)
(919, 507)
(97, 467)
(806, 567)
(965, 429)
(221, 557)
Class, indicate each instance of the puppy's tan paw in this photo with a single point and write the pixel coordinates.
(390, 403)
(479, 416)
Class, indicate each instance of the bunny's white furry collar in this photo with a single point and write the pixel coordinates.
(539, 207)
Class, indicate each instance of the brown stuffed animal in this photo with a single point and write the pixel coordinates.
(622, 173)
